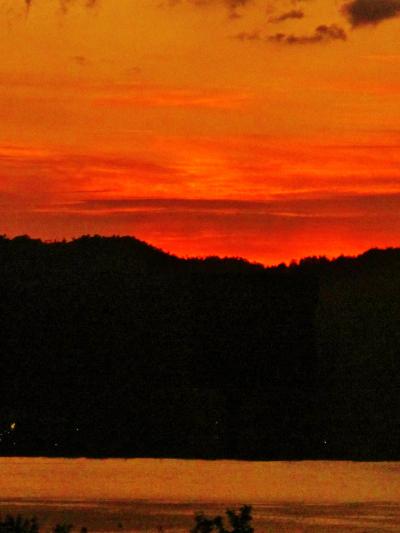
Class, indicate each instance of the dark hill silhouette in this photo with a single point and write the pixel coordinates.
(111, 347)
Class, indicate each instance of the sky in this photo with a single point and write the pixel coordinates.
(265, 129)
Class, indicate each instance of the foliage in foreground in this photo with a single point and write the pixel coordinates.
(20, 524)
(238, 522)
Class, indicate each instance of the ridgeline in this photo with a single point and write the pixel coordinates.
(112, 348)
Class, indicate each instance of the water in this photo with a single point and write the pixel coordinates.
(163, 495)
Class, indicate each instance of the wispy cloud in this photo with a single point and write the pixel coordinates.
(148, 96)
(82, 61)
(39, 177)
(64, 4)
(322, 34)
(281, 229)
(287, 15)
(248, 36)
(233, 6)
(319, 204)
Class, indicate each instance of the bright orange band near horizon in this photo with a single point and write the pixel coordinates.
(211, 128)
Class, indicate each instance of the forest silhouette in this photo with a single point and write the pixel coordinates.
(113, 348)
(238, 522)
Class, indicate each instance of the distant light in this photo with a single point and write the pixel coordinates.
(13, 425)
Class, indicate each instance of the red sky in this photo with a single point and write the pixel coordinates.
(263, 129)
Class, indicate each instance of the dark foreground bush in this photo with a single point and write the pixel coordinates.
(20, 524)
(238, 522)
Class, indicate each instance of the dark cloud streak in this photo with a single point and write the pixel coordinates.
(248, 36)
(293, 14)
(322, 34)
(64, 4)
(231, 5)
(370, 12)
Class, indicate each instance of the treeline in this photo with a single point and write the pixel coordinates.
(110, 347)
(238, 522)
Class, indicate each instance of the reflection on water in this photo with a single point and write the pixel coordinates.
(163, 495)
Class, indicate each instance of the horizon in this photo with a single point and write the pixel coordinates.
(294, 261)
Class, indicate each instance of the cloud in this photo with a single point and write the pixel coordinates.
(248, 36)
(82, 61)
(153, 97)
(322, 205)
(40, 177)
(282, 228)
(231, 5)
(322, 33)
(370, 12)
(293, 14)
(64, 4)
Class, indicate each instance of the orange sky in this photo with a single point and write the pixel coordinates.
(267, 129)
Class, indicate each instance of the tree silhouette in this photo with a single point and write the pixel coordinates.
(238, 522)
(19, 524)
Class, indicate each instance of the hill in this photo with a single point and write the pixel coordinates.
(110, 347)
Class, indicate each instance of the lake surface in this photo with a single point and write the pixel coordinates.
(163, 495)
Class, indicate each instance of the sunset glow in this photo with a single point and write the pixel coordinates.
(267, 130)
